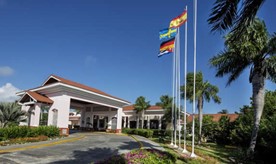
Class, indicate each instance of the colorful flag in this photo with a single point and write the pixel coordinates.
(167, 33)
(166, 47)
(178, 21)
(163, 53)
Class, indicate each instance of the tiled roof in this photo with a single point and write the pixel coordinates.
(216, 117)
(39, 97)
(78, 85)
(131, 107)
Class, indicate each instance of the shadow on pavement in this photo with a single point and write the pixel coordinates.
(98, 154)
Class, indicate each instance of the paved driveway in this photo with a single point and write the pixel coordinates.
(86, 148)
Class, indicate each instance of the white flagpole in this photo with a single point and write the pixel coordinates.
(194, 98)
(178, 87)
(173, 79)
(185, 83)
(175, 90)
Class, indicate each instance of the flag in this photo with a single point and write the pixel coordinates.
(167, 33)
(166, 47)
(163, 53)
(178, 21)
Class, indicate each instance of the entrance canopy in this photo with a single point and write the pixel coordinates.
(57, 96)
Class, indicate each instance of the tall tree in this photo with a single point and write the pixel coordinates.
(11, 114)
(140, 106)
(255, 49)
(166, 103)
(204, 92)
(236, 15)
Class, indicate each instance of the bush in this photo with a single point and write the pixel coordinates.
(141, 132)
(24, 131)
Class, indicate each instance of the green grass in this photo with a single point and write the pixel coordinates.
(207, 152)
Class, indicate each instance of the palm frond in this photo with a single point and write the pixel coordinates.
(246, 16)
(271, 68)
(271, 50)
(229, 63)
(223, 15)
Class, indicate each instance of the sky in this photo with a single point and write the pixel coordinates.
(112, 46)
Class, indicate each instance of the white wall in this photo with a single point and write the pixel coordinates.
(62, 104)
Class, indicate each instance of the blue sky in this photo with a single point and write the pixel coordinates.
(110, 45)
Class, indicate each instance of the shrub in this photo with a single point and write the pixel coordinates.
(141, 132)
(24, 131)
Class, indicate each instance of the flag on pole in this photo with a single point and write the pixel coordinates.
(167, 33)
(179, 20)
(166, 47)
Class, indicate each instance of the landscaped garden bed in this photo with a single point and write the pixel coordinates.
(149, 156)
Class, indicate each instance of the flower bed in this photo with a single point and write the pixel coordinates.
(149, 156)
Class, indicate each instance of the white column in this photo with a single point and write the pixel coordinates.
(148, 122)
(159, 123)
(124, 123)
(119, 120)
(128, 122)
(36, 116)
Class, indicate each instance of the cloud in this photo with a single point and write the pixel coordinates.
(6, 71)
(7, 93)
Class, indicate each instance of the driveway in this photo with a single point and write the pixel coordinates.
(78, 148)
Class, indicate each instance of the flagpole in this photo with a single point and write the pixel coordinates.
(178, 87)
(175, 93)
(185, 83)
(194, 97)
(173, 79)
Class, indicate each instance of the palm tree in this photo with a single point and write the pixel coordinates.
(204, 91)
(233, 14)
(255, 49)
(11, 114)
(166, 103)
(140, 106)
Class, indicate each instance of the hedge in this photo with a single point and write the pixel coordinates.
(24, 131)
(141, 132)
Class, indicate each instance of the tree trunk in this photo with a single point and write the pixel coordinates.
(137, 122)
(258, 83)
(143, 111)
(200, 117)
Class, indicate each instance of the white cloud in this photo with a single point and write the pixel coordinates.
(6, 71)
(7, 93)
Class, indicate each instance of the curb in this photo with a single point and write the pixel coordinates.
(41, 145)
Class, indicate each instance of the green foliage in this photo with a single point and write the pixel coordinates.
(142, 132)
(166, 103)
(24, 131)
(11, 114)
(141, 104)
(205, 91)
(223, 131)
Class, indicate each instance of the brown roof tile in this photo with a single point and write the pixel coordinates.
(131, 107)
(75, 84)
(39, 97)
(216, 117)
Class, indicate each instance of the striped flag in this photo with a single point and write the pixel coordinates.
(178, 21)
(166, 47)
(167, 33)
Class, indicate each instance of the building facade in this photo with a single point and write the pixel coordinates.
(50, 104)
